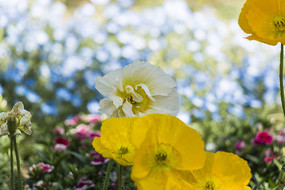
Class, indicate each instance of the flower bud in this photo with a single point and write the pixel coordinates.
(12, 125)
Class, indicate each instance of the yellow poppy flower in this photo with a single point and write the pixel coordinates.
(169, 146)
(115, 141)
(264, 20)
(222, 171)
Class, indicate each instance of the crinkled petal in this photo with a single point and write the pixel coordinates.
(27, 128)
(106, 106)
(25, 120)
(232, 168)
(165, 104)
(3, 117)
(4, 129)
(117, 101)
(127, 109)
(17, 108)
(146, 90)
(158, 82)
(105, 85)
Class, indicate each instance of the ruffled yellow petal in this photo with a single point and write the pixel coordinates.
(169, 145)
(221, 171)
(153, 181)
(169, 130)
(242, 21)
(161, 181)
(178, 183)
(264, 40)
(261, 23)
(231, 168)
(205, 171)
(100, 148)
(258, 18)
(115, 141)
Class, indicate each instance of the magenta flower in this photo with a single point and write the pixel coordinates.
(61, 144)
(240, 145)
(45, 168)
(269, 155)
(269, 159)
(84, 184)
(92, 135)
(263, 137)
(63, 141)
(98, 159)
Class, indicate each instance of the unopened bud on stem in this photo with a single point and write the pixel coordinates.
(12, 125)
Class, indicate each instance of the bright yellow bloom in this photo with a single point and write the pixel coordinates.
(222, 171)
(115, 141)
(264, 20)
(169, 147)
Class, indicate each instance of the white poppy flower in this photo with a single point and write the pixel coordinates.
(137, 89)
(22, 116)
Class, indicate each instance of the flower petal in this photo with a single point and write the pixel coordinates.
(232, 168)
(127, 109)
(165, 104)
(106, 106)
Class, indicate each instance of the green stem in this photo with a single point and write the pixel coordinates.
(120, 177)
(281, 78)
(18, 164)
(12, 165)
(106, 180)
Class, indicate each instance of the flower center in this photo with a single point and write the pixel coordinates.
(279, 23)
(138, 97)
(161, 157)
(209, 185)
(122, 151)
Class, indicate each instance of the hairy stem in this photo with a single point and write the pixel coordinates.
(18, 165)
(106, 180)
(11, 162)
(281, 78)
(120, 177)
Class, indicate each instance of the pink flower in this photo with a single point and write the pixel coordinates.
(84, 184)
(93, 118)
(268, 152)
(60, 147)
(269, 155)
(61, 144)
(82, 131)
(98, 159)
(45, 168)
(59, 130)
(240, 145)
(263, 137)
(72, 121)
(280, 137)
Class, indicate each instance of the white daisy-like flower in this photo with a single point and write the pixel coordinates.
(23, 120)
(137, 89)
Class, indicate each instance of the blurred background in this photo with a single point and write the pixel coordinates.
(51, 52)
